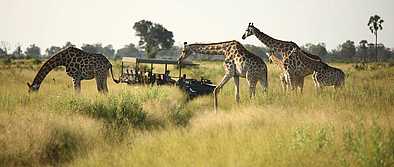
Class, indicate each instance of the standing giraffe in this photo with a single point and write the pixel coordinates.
(238, 62)
(79, 65)
(298, 71)
(283, 77)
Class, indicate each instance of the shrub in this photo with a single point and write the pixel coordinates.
(6, 61)
(120, 110)
(61, 146)
(36, 61)
(180, 116)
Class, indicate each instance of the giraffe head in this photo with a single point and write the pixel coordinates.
(249, 31)
(185, 52)
(33, 87)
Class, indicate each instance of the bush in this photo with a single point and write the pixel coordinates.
(360, 67)
(6, 61)
(61, 146)
(180, 116)
(36, 61)
(121, 110)
(43, 139)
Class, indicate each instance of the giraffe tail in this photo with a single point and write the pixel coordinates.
(112, 74)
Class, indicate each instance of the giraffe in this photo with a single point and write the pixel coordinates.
(283, 77)
(323, 74)
(298, 72)
(238, 62)
(79, 65)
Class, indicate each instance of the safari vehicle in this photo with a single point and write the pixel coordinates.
(134, 73)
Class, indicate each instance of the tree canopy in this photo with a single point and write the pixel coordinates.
(127, 51)
(33, 51)
(108, 50)
(316, 49)
(52, 50)
(153, 37)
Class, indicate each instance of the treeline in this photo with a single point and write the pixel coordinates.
(345, 52)
(351, 52)
(33, 51)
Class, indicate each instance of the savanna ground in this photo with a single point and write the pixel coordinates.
(154, 126)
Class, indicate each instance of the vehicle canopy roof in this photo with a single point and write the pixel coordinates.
(155, 61)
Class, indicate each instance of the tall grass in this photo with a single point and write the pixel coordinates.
(155, 126)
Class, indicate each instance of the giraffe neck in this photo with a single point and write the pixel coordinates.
(277, 45)
(212, 48)
(310, 63)
(53, 62)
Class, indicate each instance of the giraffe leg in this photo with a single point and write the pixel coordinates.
(225, 79)
(252, 87)
(301, 84)
(77, 85)
(104, 86)
(99, 84)
(316, 83)
(236, 82)
(283, 82)
(263, 83)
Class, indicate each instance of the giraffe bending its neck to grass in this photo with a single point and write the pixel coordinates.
(79, 65)
(238, 62)
(299, 71)
(323, 74)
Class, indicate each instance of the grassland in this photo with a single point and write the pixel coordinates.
(155, 126)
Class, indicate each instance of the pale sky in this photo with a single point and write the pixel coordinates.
(53, 22)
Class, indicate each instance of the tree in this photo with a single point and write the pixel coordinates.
(259, 51)
(33, 51)
(362, 50)
(95, 48)
(347, 50)
(52, 50)
(18, 51)
(108, 51)
(153, 37)
(68, 44)
(318, 49)
(127, 51)
(375, 24)
(5, 47)
(3, 53)
(171, 53)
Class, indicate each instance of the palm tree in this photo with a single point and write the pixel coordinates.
(375, 24)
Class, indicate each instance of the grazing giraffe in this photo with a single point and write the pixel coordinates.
(299, 70)
(238, 62)
(79, 65)
(323, 74)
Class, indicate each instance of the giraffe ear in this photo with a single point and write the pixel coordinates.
(184, 43)
(250, 23)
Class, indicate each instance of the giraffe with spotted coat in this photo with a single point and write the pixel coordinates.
(79, 65)
(238, 62)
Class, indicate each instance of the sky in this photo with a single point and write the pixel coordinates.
(54, 22)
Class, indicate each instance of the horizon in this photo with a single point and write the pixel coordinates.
(52, 23)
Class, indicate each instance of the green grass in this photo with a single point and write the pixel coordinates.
(154, 126)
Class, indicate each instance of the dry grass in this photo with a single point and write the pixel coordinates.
(153, 126)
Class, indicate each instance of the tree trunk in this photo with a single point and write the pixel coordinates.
(376, 46)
